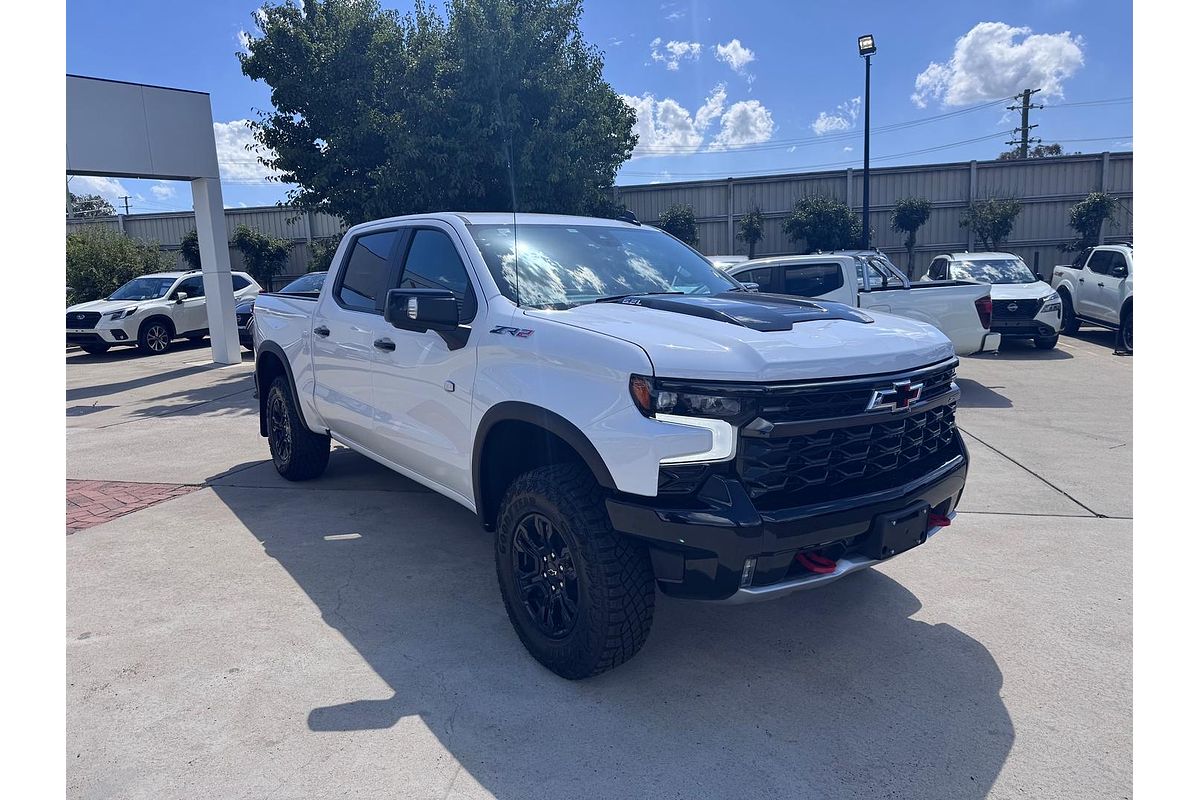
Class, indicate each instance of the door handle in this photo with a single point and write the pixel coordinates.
(385, 344)
(321, 330)
(1100, 284)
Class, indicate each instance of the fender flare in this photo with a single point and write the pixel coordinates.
(517, 411)
(261, 391)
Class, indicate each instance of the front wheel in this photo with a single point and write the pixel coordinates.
(155, 338)
(298, 453)
(1125, 332)
(1070, 325)
(580, 596)
(1046, 342)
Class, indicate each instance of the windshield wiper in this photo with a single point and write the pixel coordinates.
(616, 298)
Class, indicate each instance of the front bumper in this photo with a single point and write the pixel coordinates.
(1042, 325)
(110, 335)
(701, 551)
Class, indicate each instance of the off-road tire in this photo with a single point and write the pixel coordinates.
(95, 349)
(614, 578)
(1125, 332)
(1070, 322)
(298, 453)
(154, 337)
(1046, 342)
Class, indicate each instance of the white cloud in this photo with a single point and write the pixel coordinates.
(162, 190)
(674, 15)
(110, 189)
(664, 127)
(746, 122)
(236, 162)
(675, 52)
(988, 63)
(735, 55)
(843, 119)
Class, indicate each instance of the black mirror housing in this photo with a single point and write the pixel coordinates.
(421, 309)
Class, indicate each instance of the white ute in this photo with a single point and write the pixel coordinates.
(1098, 290)
(623, 416)
(868, 280)
(149, 312)
(1023, 307)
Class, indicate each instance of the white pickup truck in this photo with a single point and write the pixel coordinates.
(1098, 290)
(868, 280)
(618, 412)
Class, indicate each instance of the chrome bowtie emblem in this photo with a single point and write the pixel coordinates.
(902, 395)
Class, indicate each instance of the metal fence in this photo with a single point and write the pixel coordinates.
(1046, 187)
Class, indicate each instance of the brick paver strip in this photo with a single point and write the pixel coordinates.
(96, 502)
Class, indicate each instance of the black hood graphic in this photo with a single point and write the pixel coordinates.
(760, 312)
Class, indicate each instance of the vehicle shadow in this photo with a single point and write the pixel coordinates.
(976, 395)
(837, 692)
(230, 395)
(1022, 350)
(76, 355)
(1102, 337)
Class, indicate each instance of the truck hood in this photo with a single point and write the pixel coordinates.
(105, 306)
(759, 337)
(1020, 291)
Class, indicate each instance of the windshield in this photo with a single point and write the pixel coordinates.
(563, 266)
(992, 270)
(312, 282)
(143, 289)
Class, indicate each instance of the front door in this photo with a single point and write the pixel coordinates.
(346, 325)
(1094, 273)
(1108, 289)
(192, 314)
(423, 387)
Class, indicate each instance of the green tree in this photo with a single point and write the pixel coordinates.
(1037, 151)
(189, 248)
(376, 113)
(750, 229)
(1088, 216)
(908, 216)
(264, 256)
(321, 252)
(100, 261)
(991, 220)
(680, 222)
(87, 206)
(823, 223)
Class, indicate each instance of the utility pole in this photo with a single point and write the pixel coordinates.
(1025, 128)
(126, 199)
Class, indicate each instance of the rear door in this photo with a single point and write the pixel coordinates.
(346, 325)
(423, 387)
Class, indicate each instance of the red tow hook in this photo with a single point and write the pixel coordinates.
(814, 562)
(938, 521)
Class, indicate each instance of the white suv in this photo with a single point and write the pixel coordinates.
(149, 312)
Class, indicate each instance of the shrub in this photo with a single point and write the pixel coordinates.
(991, 220)
(321, 251)
(907, 217)
(750, 229)
(100, 261)
(680, 222)
(264, 256)
(823, 223)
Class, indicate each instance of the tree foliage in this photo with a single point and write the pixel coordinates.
(88, 206)
(823, 223)
(908, 216)
(100, 261)
(1088, 216)
(680, 222)
(377, 114)
(189, 247)
(321, 252)
(991, 220)
(750, 229)
(1037, 151)
(264, 256)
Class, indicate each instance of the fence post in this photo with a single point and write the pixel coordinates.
(971, 199)
(850, 187)
(121, 224)
(729, 215)
(1103, 188)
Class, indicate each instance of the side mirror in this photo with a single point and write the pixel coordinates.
(421, 310)
(1119, 272)
(751, 287)
(181, 296)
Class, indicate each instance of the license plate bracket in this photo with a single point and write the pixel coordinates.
(899, 531)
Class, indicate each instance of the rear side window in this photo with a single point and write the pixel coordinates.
(239, 283)
(433, 263)
(1100, 262)
(938, 269)
(760, 276)
(812, 280)
(363, 281)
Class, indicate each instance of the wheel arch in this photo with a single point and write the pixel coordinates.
(269, 363)
(514, 437)
(159, 317)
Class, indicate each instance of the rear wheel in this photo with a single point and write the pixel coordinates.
(95, 349)
(580, 596)
(155, 337)
(1046, 342)
(1125, 332)
(1070, 324)
(298, 453)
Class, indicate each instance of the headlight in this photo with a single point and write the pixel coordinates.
(652, 400)
(1051, 302)
(122, 314)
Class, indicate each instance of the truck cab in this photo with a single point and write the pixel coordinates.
(1098, 290)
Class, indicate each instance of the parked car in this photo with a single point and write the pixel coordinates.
(1098, 290)
(305, 284)
(149, 312)
(618, 412)
(869, 281)
(1023, 307)
(727, 261)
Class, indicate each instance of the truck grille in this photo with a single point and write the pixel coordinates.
(81, 320)
(1015, 309)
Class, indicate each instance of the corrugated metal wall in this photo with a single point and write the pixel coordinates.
(168, 230)
(1047, 188)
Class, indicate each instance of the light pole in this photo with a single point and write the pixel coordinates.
(866, 49)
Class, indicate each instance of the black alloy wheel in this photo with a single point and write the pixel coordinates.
(546, 579)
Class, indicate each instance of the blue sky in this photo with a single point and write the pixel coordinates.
(721, 88)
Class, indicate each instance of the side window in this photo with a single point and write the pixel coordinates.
(1100, 262)
(940, 270)
(239, 283)
(363, 281)
(761, 276)
(812, 280)
(433, 263)
(1118, 261)
(193, 286)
